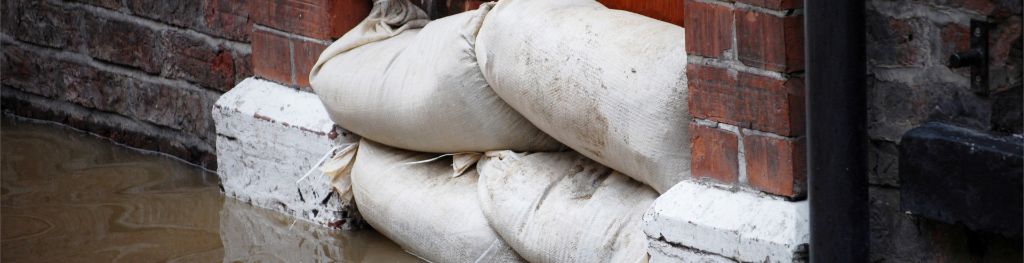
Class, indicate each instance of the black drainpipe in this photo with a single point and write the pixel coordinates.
(836, 130)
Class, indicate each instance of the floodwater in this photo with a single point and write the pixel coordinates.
(71, 197)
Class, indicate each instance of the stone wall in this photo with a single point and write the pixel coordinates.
(909, 83)
(143, 73)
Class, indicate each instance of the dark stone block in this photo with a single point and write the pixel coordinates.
(960, 176)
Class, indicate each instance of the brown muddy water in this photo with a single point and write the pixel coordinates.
(71, 197)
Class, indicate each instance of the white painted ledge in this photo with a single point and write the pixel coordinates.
(694, 222)
(268, 136)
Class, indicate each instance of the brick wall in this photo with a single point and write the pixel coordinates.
(144, 73)
(288, 35)
(908, 84)
(746, 93)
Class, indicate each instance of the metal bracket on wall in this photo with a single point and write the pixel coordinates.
(976, 57)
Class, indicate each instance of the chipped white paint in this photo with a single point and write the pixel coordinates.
(268, 135)
(702, 223)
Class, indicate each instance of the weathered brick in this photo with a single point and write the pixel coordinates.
(18, 70)
(955, 38)
(709, 28)
(183, 13)
(271, 57)
(306, 54)
(51, 77)
(769, 42)
(896, 42)
(243, 66)
(133, 45)
(228, 19)
(321, 19)
(713, 154)
(749, 101)
(774, 4)
(24, 71)
(671, 11)
(190, 58)
(40, 23)
(776, 165)
(101, 124)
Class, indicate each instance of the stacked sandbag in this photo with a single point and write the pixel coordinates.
(607, 83)
(419, 89)
(563, 207)
(423, 208)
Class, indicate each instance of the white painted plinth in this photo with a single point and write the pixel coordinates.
(268, 136)
(694, 222)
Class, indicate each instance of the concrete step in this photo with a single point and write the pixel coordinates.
(697, 222)
(268, 136)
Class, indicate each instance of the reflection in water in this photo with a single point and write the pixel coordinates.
(69, 197)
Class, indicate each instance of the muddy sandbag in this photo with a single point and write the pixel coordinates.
(419, 89)
(423, 208)
(607, 83)
(563, 207)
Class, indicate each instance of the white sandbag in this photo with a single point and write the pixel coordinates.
(423, 208)
(420, 89)
(607, 83)
(563, 207)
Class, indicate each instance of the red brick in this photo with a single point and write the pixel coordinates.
(770, 42)
(306, 54)
(346, 14)
(774, 4)
(714, 154)
(228, 19)
(709, 28)
(711, 93)
(776, 165)
(271, 57)
(671, 11)
(321, 19)
(750, 101)
(190, 58)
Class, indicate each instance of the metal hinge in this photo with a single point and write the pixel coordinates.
(976, 57)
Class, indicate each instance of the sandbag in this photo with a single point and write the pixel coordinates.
(423, 208)
(607, 83)
(563, 207)
(419, 89)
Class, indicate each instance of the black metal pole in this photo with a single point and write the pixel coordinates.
(836, 130)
